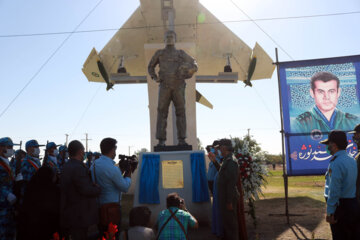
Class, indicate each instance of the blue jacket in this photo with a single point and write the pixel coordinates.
(340, 180)
(7, 222)
(53, 163)
(110, 179)
(212, 169)
(29, 166)
(6, 183)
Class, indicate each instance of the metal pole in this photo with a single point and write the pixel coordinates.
(67, 138)
(282, 141)
(86, 141)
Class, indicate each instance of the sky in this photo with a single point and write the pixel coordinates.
(59, 100)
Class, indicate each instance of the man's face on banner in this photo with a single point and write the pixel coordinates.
(326, 95)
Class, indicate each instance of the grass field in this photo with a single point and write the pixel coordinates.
(302, 186)
(306, 206)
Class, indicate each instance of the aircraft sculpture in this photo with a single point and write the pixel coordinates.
(222, 57)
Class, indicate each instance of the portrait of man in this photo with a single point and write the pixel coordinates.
(324, 115)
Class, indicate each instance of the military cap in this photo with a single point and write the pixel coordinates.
(88, 154)
(32, 143)
(356, 129)
(336, 136)
(6, 141)
(225, 142)
(62, 148)
(216, 143)
(19, 151)
(50, 145)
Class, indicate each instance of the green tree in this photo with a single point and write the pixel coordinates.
(273, 158)
(137, 152)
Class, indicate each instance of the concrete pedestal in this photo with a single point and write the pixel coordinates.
(201, 211)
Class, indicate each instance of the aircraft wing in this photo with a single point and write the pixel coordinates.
(214, 41)
(128, 42)
(90, 68)
(264, 65)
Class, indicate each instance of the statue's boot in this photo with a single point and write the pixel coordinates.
(161, 143)
(182, 142)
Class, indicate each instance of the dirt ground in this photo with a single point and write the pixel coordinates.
(306, 209)
(306, 220)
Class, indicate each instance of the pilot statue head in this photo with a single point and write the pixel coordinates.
(170, 38)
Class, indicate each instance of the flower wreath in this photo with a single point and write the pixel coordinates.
(253, 177)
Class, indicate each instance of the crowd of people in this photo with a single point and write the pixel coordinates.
(78, 194)
(75, 195)
(60, 194)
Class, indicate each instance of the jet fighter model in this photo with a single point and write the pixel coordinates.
(221, 56)
(216, 47)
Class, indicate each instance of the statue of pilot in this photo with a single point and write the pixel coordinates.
(175, 66)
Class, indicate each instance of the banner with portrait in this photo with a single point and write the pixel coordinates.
(318, 96)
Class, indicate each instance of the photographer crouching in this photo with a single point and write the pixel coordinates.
(113, 181)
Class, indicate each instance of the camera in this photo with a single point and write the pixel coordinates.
(128, 163)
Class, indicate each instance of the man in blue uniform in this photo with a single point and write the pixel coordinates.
(214, 165)
(89, 159)
(51, 157)
(63, 156)
(15, 162)
(7, 197)
(340, 188)
(324, 116)
(30, 164)
(356, 139)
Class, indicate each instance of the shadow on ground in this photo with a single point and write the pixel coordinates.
(306, 219)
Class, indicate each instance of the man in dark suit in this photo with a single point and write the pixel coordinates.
(228, 192)
(78, 207)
